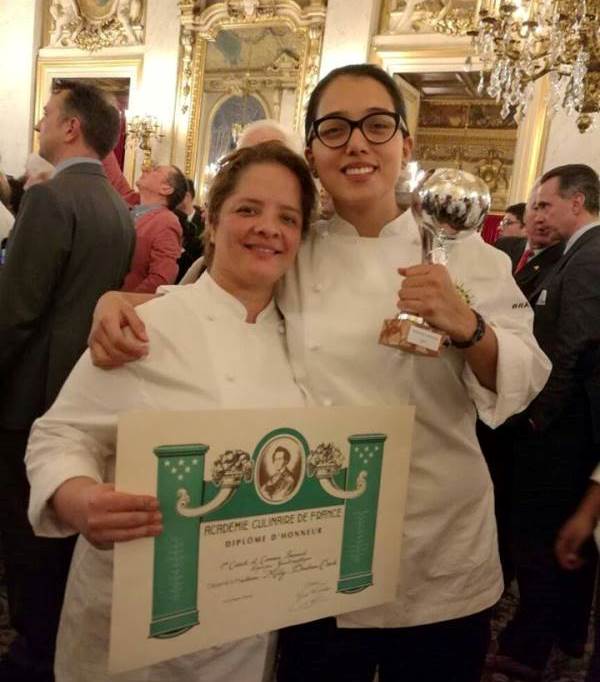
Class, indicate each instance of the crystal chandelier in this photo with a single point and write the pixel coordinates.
(519, 41)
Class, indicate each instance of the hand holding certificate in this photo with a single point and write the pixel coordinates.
(271, 518)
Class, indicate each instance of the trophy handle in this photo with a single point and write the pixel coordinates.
(434, 245)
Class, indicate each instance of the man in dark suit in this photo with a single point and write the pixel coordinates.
(72, 241)
(557, 447)
(192, 224)
(543, 248)
(536, 252)
(533, 257)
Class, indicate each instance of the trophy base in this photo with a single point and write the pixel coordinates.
(411, 337)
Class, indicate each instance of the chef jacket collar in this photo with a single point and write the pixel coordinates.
(220, 300)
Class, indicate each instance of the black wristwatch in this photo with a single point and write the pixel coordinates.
(477, 334)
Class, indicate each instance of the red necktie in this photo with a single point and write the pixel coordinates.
(524, 260)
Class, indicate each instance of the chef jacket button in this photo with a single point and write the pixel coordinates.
(318, 287)
(328, 402)
(210, 317)
(324, 234)
(281, 327)
(314, 346)
(230, 377)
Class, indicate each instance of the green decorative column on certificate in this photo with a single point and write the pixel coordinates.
(360, 519)
(361, 496)
(277, 477)
(175, 585)
(182, 492)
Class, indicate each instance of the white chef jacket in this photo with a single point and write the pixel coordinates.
(202, 355)
(334, 304)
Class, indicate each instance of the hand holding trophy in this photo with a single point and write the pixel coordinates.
(448, 205)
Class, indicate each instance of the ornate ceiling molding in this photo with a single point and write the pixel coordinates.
(428, 16)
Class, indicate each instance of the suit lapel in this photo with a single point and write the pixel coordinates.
(590, 235)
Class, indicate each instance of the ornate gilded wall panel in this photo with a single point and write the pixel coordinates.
(425, 16)
(266, 51)
(93, 24)
(471, 135)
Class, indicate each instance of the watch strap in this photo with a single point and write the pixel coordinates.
(477, 334)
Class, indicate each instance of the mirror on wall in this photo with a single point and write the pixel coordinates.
(240, 64)
(250, 74)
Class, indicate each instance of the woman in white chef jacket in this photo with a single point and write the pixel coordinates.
(215, 344)
(334, 302)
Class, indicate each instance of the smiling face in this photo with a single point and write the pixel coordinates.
(257, 235)
(360, 175)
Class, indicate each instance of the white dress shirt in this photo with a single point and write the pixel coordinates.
(203, 355)
(579, 233)
(334, 304)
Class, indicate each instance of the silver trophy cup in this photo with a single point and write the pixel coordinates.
(448, 204)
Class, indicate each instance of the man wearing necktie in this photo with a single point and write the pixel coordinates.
(533, 257)
(557, 443)
(543, 248)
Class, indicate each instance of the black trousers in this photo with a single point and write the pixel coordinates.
(497, 448)
(550, 477)
(449, 651)
(36, 568)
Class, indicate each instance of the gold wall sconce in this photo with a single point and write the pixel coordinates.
(143, 131)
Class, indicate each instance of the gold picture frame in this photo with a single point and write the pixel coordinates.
(200, 29)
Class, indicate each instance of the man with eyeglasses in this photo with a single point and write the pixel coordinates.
(512, 237)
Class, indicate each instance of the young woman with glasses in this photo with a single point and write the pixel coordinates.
(334, 302)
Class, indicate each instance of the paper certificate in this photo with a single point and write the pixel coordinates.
(271, 518)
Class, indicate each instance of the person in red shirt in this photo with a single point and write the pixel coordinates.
(158, 231)
(119, 181)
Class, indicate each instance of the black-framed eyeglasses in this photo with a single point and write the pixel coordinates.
(379, 127)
